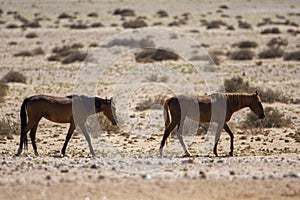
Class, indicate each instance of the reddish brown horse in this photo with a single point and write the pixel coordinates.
(72, 109)
(217, 107)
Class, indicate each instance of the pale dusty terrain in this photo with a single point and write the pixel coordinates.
(266, 162)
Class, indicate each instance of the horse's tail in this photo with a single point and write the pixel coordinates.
(167, 114)
(23, 117)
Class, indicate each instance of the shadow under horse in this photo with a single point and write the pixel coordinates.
(73, 109)
(217, 107)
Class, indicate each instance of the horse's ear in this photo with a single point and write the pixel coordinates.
(256, 92)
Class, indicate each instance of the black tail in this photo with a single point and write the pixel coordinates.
(23, 117)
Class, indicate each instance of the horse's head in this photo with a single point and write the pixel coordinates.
(109, 110)
(256, 106)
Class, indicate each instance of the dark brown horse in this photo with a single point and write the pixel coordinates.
(217, 107)
(73, 109)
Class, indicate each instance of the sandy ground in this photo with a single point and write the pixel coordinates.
(266, 161)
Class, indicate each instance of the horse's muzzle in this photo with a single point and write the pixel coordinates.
(261, 116)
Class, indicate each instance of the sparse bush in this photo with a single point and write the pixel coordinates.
(274, 30)
(8, 128)
(138, 23)
(96, 25)
(65, 16)
(3, 90)
(215, 24)
(243, 54)
(68, 54)
(78, 26)
(31, 35)
(124, 12)
(277, 42)
(244, 25)
(156, 78)
(151, 55)
(38, 51)
(292, 56)
(245, 44)
(14, 76)
(23, 54)
(150, 102)
(92, 14)
(274, 52)
(162, 13)
(143, 43)
(274, 119)
(237, 84)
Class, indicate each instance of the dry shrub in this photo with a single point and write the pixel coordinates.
(214, 24)
(25, 53)
(277, 42)
(68, 54)
(237, 84)
(124, 12)
(274, 119)
(244, 25)
(295, 55)
(38, 51)
(214, 58)
(96, 25)
(162, 13)
(273, 30)
(273, 52)
(245, 44)
(143, 43)
(78, 25)
(33, 24)
(12, 26)
(65, 16)
(92, 14)
(31, 35)
(3, 90)
(156, 78)
(14, 76)
(8, 127)
(152, 55)
(137, 23)
(271, 96)
(149, 103)
(243, 54)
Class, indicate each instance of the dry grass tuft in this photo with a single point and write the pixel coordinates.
(295, 55)
(150, 103)
(14, 76)
(3, 90)
(274, 119)
(152, 55)
(273, 52)
(245, 44)
(137, 23)
(8, 128)
(243, 54)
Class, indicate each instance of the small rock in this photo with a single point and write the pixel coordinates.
(202, 175)
(94, 166)
(64, 171)
(146, 176)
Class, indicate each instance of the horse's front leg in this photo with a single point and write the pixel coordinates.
(69, 135)
(87, 137)
(227, 129)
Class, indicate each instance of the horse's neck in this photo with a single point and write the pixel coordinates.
(239, 102)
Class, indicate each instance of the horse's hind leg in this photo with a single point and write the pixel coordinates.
(32, 137)
(23, 137)
(69, 135)
(217, 137)
(180, 138)
(87, 137)
(167, 132)
(227, 129)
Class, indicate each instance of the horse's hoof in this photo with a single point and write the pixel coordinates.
(160, 152)
(187, 154)
(230, 154)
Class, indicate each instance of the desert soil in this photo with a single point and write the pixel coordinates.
(266, 161)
